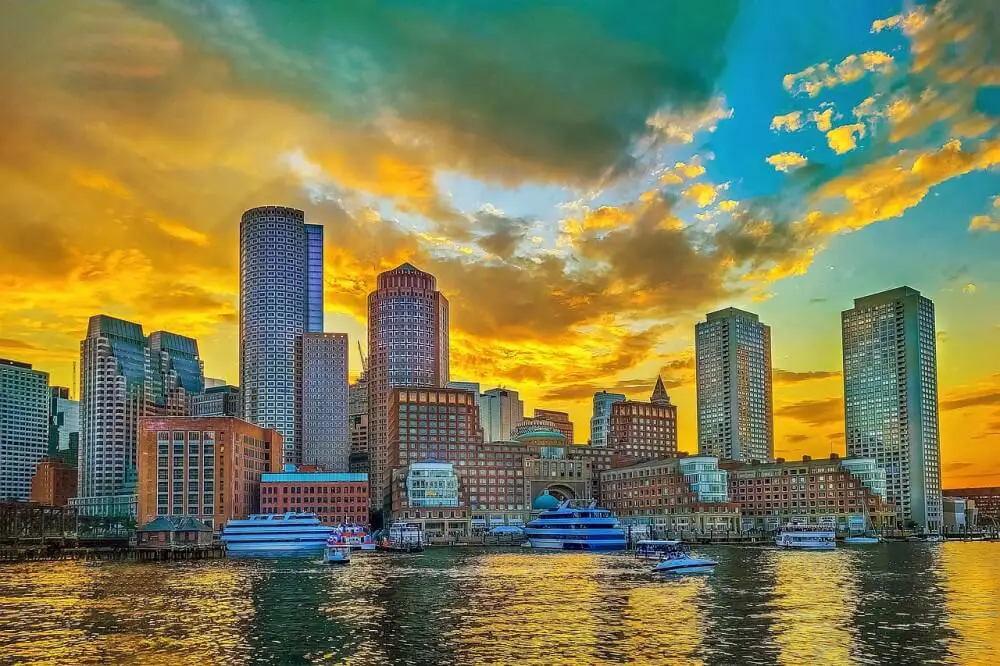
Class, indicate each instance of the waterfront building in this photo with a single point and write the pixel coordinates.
(218, 400)
(124, 377)
(281, 298)
(600, 422)
(958, 514)
(64, 425)
(335, 497)
(54, 482)
(430, 494)
(24, 426)
(206, 467)
(407, 346)
(837, 492)
(645, 430)
(733, 370)
(891, 398)
(174, 531)
(357, 415)
(502, 412)
(559, 419)
(325, 436)
(987, 503)
(550, 471)
(681, 494)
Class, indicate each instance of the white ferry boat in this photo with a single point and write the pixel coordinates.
(807, 537)
(575, 525)
(276, 535)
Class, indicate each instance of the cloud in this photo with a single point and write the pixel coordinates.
(986, 397)
(792, 377)
(702, 194)
(789, 122)
(677, 371)
(10, 343)
(786, 161)
(814, 412)
(503, 234)
(969, 288)
(813, 80)
(823, 119)
(796, 438)
(990, 222)
(842, 139)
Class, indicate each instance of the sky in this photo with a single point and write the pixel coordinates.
(586, 180)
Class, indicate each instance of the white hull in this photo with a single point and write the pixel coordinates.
(861, 541)
(273, 549)
(804, 546)
(683, 565)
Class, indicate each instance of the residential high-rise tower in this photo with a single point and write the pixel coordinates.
(600, 421)
(24, 426)
(325, 440)
(891, 399)
(735, 404)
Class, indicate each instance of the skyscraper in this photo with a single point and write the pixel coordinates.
(735, 405)
(125, 376)
(64, 426)
(502, 411)
(324, 401)
(281, 297)
(645, 430)
(357, 414)
(407, 346)
(600, 421)
(24, 426)
(891, 400)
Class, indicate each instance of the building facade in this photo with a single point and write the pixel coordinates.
(407, 346)
(838, 492)
(336, 498)
(986, 500)
(559, 419)
(645, 430)
(206, 467)
(54, 482)
(431, 495)
(24, 426)
(357, 416)
(124, 377)
(281, 297)
(325, 430)
(679, 495)
(735, 403)
(502, 412)
(891, 397)
(64, 425)
(600, 421)
(218, 400)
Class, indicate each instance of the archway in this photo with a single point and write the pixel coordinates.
(561, 492)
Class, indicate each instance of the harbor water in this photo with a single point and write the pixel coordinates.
(897, 603)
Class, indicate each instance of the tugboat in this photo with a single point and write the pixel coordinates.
(337, 551)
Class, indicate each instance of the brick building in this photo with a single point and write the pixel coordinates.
(645, 430)
(205, 467)
(987, 502)
(559, 419)
(54, 482)
(335, 497)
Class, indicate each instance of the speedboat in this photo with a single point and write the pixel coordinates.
(337, 551)
(807, 537)
(677, 559)
(575, 525)
(276, 535)
(862, 539)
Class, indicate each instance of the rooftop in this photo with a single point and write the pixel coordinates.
(312, 477)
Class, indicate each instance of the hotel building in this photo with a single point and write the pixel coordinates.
(502, 412)
(24, 426)
(407, 346)
(645, 430)
(281, 297)
(335, 497)
(891, 398)
(54, 482)
(735, 405)
(208, 468)
(559, 419)
(325, 436)
(685, 494)
(600, 421)
(124, 377)
(844, 493)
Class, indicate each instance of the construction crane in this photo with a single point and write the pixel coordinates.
(364, 361)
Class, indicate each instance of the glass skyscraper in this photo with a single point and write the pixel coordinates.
(600, 420)
(735, 404)
(281, 297)
(890, 397)
(24, 426)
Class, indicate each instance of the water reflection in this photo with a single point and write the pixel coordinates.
(894, 603)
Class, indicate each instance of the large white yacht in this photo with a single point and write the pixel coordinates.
(276, 535)
(576, 526)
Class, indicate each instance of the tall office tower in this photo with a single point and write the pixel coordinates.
(600, 421)
(357, 415)
(735, 405)
(125, 376)
(407, 346)
(281, 297)
(560, 419)
(64, 426)
(502, 411)
(24, 426)
(891, 398)
(218, 400)
(645, 430)
(325, 439)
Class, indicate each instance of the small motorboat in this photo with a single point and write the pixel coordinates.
(862, 539)
(337, 551)
(677, 559)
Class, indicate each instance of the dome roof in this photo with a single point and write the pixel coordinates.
(538, 432)
(544, 502)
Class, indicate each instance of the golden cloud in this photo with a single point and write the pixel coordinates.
(813, 80)
(789, 122)
(702, 194)
(786, 161)
(844, 138)
(823, 119)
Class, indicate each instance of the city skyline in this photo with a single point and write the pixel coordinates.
(578, 236)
